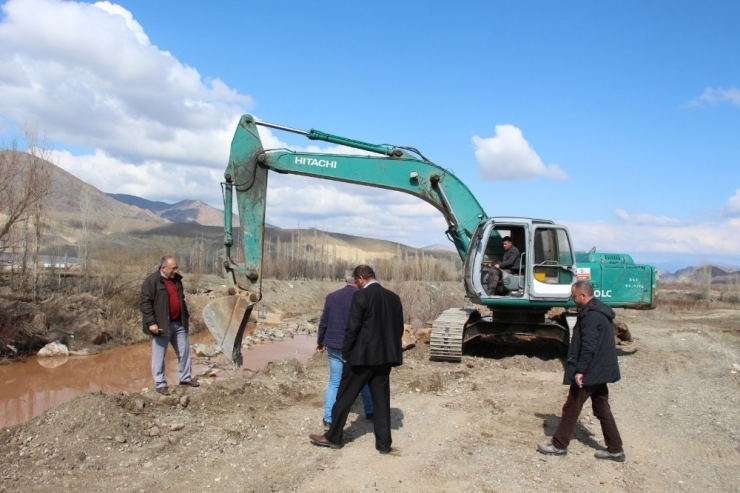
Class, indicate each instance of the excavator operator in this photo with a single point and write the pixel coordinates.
(510, 263)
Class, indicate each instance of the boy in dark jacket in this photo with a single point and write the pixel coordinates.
(592, 363)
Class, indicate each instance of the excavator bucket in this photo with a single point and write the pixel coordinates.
(226, 319)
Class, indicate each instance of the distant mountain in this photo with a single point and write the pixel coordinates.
(672, 263)
(437, 246)
(719, 275)
(150, 205)
(71, 197)
(185, 211)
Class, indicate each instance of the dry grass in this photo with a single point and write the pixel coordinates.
(686, 296)
(425, 301)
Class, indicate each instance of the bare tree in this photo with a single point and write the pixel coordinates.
(37, 184)
(83, 243)
(25, 180)
(12, 205)
(705, 281)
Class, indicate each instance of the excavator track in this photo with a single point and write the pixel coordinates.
(447, 334)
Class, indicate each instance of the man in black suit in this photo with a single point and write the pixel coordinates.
(372, 347)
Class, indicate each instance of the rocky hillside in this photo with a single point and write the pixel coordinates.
(697, 275)
(185, 211)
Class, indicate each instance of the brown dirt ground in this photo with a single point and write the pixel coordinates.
(472, 426)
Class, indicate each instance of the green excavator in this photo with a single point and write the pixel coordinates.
(522, 305)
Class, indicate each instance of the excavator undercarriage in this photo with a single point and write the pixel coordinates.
(457, 326)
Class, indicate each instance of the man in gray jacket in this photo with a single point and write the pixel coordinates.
(511, 263)
(165, 318)
(592, 363)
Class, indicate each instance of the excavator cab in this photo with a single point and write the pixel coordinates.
(546, 268)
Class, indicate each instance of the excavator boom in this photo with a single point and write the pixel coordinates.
(383, 166)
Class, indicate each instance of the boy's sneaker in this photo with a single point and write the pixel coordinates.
(327, 425)
(370, 417)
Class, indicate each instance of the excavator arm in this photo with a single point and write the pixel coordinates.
(382, 166)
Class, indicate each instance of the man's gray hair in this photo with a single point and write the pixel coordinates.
(585, 287)
(164, 260)
(349, 278)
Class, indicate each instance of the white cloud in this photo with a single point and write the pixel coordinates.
(732, 207)
(352, 209)
(89, 76)
(150, 179)
(712, 95)
(642, 219)
(508, 156)
(703, 240)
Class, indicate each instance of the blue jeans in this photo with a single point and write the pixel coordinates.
(336, 365)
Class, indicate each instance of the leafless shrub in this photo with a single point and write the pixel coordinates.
(698, 295)
(705, 281)
(676, 305)
(123, 316)
(20, 332)
(424, 301)
(116, 276)
(730, 297)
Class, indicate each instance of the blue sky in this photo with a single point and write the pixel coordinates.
(619, 119)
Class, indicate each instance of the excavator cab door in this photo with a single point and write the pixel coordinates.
(486, 249)
(552, 263)
(474, 274)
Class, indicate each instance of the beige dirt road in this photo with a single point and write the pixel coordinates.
(472, 426)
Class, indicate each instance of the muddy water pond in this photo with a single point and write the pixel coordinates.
(33, 385)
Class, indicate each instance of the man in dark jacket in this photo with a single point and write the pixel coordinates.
(165, 318)
(332, 326)
(372, 347)
(511, 263)
(592, 363)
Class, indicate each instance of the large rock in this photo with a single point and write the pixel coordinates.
(409, 340)
(423, 335)
(621, 332)
(205, 350)
(53, 349)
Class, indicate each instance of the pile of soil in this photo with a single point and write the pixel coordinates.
(472, 426)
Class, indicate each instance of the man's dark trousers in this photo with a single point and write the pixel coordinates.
(353, 379)
(599, 395)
